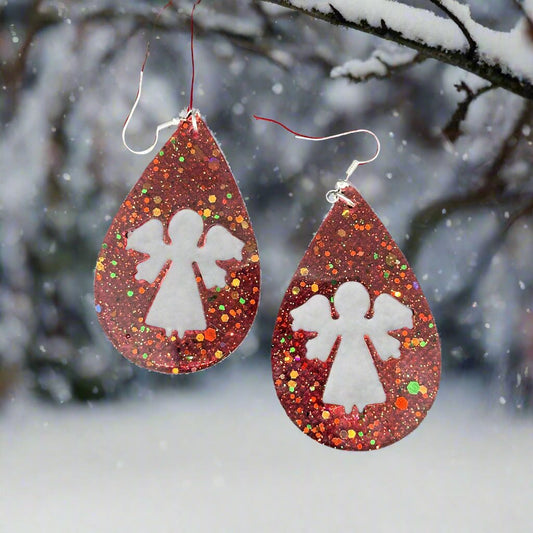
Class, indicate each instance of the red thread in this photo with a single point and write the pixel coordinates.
(192, 54)
(286, 128)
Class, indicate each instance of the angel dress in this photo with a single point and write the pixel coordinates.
(177, 305)
(353, 379)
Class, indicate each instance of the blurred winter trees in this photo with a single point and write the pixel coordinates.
(454, 183)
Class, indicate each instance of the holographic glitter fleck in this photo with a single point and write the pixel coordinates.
(352, 245)
(189, 173)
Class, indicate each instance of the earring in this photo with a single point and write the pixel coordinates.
(355, 349)
(177, 277)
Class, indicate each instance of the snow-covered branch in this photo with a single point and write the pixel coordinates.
(502, 58)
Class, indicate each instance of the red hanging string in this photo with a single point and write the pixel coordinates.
(287, 128)
(192, 54)
(355, 163)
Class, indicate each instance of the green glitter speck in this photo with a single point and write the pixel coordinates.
(372, 442)
(376, 255)
(114, 263)
(413, 387)
(404, 267)
(282, 340)
(119, 236)
(360, 433)
(431, 324)
(222, 307)
(145, 356)
(242, 301)
(292, 350)
(113, 275)
(182, 159)
(216, 217)
(144, 191)
(143, 328)
(229, 196)
(161, 152)
(130, 293)
(386, 275)
(218, 289)
(104, 245)
(291, 389)
(423, 343)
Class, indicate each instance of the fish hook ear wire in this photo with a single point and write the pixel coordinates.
(335, 194)
(189, 112)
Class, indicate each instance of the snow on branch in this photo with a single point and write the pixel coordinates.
(505, 59)
(380, 64)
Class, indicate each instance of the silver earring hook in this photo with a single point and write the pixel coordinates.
(335, 194)
(162, 126)
(185, 114)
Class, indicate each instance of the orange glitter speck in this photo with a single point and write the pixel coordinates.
(254, 258)
(210, 334)
(200, 337)
(325, 415)
(401, 403)
(314, 287)
(224, 317)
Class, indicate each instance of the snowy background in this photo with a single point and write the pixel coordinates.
(90, 443)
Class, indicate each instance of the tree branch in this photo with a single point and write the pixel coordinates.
(452, 131)
(491, 191)
(488, 70)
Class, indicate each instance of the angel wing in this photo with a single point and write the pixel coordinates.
(315, 315)
(389, 315)
(220, 245)
(148, 239)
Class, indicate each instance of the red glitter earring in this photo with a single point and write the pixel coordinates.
(177, 278)
(355, 349)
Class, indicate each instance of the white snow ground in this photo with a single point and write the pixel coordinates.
(223, 456)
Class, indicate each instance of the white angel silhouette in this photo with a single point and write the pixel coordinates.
(353, 379)
(177, 305)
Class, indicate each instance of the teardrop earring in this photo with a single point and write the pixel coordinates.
(355, 349)
(177, 278)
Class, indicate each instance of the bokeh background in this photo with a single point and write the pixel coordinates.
(88, 442)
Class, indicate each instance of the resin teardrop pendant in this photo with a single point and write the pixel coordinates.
(177, 278)
(355, 351)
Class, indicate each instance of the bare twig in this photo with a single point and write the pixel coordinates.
(452, 131)
(491, 191)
